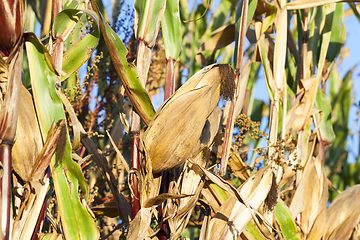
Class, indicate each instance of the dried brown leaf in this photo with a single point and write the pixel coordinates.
(56, 132)
(280, 50)
(346, 228)
(238, 167)
(163, 197)
(302, 4)
(191, 183)
(233, 215)
(211, 197)
(311, 195)
(123, 161)
(108, 209)
(24, 227)
(220, 39)
(302, 110)
(344, 209)
(138, 227)
(122, 204)
(28, 143)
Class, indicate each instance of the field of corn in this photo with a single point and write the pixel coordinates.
(85, 155)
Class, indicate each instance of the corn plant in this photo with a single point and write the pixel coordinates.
(75, 166)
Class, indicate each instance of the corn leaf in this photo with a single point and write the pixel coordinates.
(64, 23)
(221, 14)
(301, 4)
(67, 175)
(171, 29)
(324, 119)
(221, 38)
(81, 51)
(148, 14)
(287, 224)
(126, 72)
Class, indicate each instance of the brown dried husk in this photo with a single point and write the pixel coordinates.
(178, 124)
(28, 141)
(12, 18)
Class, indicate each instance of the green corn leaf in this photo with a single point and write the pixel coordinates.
(126, 72)
(287, 225)
(171, 29)
(322, 102)
(67, 175)
(221, 194)
(338, 33)
(269, 77)
(68, 4)
(80, 52)
(253, 232)
(148, 14)
(314, 33)
(220, 15)
(64, 23)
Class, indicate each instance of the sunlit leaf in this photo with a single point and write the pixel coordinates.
(301, 4)
(148, 14)
(324, 119)
(287, 224)
(126, 72)
(171, 29)
(67, 175)
(81, 51)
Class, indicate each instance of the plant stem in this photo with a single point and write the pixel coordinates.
(230, 121)
(5, 184)
(142, 68)
(135, 130)
(8, 125)
(304, 50)
(170, 86)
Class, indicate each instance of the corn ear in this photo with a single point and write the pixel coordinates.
(177, 126)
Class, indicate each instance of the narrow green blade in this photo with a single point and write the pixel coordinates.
(80, 52)
(171, 29)
(126, 72)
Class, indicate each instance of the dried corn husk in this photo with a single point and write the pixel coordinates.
(311, 195)
(28, 141)
(340, 219)
(177, 126)
(30, 157)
